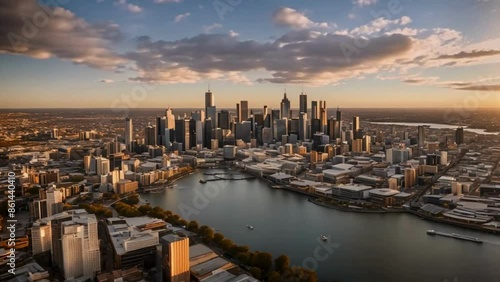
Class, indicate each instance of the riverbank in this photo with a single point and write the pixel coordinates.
(344, 209)
(454, 223)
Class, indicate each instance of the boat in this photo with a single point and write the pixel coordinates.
(431, 232)
(323, 237)
(465, 237)
(250, 227)
(203, 181)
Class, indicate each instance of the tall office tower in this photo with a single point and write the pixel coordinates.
(54, 202)
(410, 177)
(150, 135)
(280, 128)
(128, 133)
(275, 114)
(314, 110)
(207, 136)
(285, 107)
(170, 119)
(355, 127)
(238, 112)
(182, 132)
(209, 100)
(459, 136)
(192, 133)
(41, 238)
(55, 230)
(112, 148)
(212, 114)
(421, 136)
(161, 124)
(322, 116)
(244, 111)
(243, 131)
(303, 103)
(115, 161)
(102, 166)
(259, 119)
(224, 119)
(198, 115)
(264, 112)
(367, 143)
(80, 247)
(332, 128)
(302, 126)
(175, 258)
(339, 117)
(315, 126)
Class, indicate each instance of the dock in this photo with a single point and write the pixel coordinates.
(456, 236)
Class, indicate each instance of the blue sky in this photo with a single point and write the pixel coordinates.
(352, 53)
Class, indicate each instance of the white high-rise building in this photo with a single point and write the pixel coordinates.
(102, 166)
(80, 245)
(128, 132)
(54, 201)
(41, 238)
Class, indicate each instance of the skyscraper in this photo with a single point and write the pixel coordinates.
(244, 111)
(302, 126)
(339, 118)
(161, 124)
(322, 116)
(314, 110)
(421, 136)
(459, 136)
(238, 112)
(128, 133)
(175, 258)
(303, 103)
(54, 202)
(150, 135)
(75, 243)
(170, 119)
(355, 127)
(224, 119)
(285, 107)
(209, 99)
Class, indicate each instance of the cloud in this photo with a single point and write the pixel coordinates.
(421, 80)
(379, 24)
(299, 57)
(209, 28)
(469, 55)
(233, 33)
(492, 87)
(62, 34)
(106, 80)
(362, 3)
(181, 17)
(130, 7)
(289, 17)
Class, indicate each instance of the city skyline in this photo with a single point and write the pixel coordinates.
(354, 54)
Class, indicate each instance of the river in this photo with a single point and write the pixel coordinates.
(439, 126)
(361, 247)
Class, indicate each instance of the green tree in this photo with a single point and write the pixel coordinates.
(206, 232)
(193, 226)
(256, 272)
(263, 260)
(145, 209)
(218, 237)
(274, 277)
(282, 263)
(226, 244)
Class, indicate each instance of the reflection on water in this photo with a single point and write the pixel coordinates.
(369, 247)
(440, 126)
